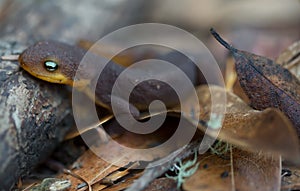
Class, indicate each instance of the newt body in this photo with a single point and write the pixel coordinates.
(57, 62)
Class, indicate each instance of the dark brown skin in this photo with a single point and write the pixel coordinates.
(66, 56)
(266, 83)
(57, 62)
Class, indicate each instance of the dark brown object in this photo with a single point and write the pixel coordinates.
(266, 83)
(68, 58)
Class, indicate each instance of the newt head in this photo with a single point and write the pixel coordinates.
(52, 61)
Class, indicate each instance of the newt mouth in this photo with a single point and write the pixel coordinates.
(49, 77)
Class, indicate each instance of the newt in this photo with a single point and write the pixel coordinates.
(57, 62)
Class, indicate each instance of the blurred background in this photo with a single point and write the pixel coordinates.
(264, 27)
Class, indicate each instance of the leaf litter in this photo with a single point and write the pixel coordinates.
(256, 138)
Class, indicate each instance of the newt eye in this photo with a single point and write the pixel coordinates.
(51, 66)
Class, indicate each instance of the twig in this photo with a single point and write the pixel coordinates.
(29, 186)
(66, 171)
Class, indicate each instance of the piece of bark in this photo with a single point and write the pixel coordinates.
(34, 117)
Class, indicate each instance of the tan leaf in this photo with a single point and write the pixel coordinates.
(103, 174)
(91, 168)
(290, 58)
(230, 74)
(268, 130)
(237, 170)
(231, 81)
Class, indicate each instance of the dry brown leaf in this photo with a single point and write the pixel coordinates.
(121, 156)
(123, 184)
(290, 59)
(230, 74)
(236, 170)
(90, 167)
(231, 81)
(268, 130)
(266, 83)
(94, 169)
(98, 172)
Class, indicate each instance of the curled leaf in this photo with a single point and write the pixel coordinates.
(268, 130)
(266, 83)
(290, 58)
